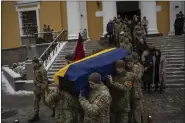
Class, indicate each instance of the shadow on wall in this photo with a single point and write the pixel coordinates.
(12, 55)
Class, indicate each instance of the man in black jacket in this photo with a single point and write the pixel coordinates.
(148, 69)
(110, 27)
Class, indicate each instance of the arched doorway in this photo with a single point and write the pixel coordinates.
(128, 8)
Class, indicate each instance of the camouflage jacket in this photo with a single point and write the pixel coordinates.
(118, 27)
(97, 105)
(40, 80)
(120, 92)
(66, 106)
(127, 47)
(138, 69)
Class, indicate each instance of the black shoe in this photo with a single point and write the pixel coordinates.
(53, 114)
(34, 118)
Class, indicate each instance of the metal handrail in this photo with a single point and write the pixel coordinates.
(53, 46)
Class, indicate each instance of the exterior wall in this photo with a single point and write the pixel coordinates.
(19, 54)
(95, 24)
(163, 22)
(51, 13)
(10, 25)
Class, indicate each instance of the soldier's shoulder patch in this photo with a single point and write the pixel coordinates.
(129, 83)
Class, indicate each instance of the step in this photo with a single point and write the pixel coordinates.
(177, 81)
(175, 68)
(175, 77)
(176, 55)
(172, 53)
(175, 65)
(175, 61)
(172, 50)
(174, 58)
(179, 72)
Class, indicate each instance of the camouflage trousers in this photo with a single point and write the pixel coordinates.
(37, 98)
(119, 117)
(117, 36)
(137, 112)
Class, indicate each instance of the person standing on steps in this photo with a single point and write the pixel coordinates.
(145, 24)
(40, 85)
(110, 27)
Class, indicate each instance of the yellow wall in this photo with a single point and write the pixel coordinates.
(53, 14)
(95, 24)
(10, 25)
(163, 22)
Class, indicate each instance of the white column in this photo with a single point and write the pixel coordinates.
(83, 11)
(109, 12)
(173, 12)
(148, 9)
(73, 19)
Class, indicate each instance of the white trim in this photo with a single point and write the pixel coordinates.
(19, 10)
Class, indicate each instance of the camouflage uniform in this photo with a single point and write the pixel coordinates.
(118, 27)
(137, 68)
(136, 95)
(126, 45)
(66, 106)
(120, 91)
(40, 84)
(97, 105)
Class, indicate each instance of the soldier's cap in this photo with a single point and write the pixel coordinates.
(95, 77)
(128, 58)
(69, 57)
(35, 60)
(135, 55)
(120, 64)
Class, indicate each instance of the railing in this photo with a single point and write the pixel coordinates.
(53, 47)
(46, 37)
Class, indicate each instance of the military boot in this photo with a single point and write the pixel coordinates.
(53, 113)
(34, 118)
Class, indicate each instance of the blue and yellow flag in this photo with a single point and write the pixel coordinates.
(102, 62)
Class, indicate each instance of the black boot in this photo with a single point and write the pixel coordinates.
(53, 113)
(34, 118)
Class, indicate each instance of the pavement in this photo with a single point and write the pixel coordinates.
(168, 107)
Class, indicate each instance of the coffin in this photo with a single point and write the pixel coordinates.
(74, 77)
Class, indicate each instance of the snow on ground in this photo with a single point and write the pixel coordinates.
(11, 72)
(7, 88)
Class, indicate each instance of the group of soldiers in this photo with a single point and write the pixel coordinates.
(118, 100)
(131, 35)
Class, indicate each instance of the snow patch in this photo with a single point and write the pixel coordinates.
(7, 88)
(11, 72)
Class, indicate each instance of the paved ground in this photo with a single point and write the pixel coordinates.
(168, 107)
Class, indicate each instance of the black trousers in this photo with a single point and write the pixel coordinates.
(147, 79)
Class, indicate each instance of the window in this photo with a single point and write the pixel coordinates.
(29, 22)
(28, 14)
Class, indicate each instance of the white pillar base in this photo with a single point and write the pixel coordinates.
(171, 33)
(153, 31)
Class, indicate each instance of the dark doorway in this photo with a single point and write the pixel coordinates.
(128, 8)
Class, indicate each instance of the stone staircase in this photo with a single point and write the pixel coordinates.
(59, 62)
(172, 47)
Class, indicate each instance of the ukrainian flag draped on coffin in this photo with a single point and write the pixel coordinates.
(76, 74)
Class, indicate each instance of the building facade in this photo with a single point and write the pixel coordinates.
(77, 15)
